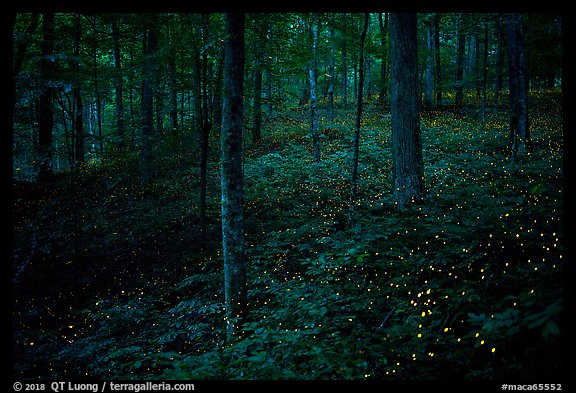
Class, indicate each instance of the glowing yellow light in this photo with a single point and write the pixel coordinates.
(493, 350)
(423, 313)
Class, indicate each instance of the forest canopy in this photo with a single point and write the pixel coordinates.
(287, 196)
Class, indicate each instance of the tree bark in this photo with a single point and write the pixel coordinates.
(344, 61)
(313, 99)
(430, 45)
(150, 41)
(499, 60)
(484, 73)
(438, 69)
(231, 176)
(119, 88)
(45, 110)
(331, 71)
(256, 127)
(460, 62)
(354, 180)
(408, 184)
(79, 109)
(173, 83)
(519, 127)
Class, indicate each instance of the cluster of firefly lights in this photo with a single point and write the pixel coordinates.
(422, 300)
(496, 241)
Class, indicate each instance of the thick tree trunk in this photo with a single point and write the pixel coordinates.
(408, 184)
(231, 175)
(519, 131)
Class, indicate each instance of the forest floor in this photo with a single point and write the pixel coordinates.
(113, 280)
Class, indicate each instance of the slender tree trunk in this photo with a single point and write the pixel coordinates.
(471, 62)
(499, 60)
(79, 112)
(438, 69)
(173, 83)
(268, 73)
(383, 65)
(484, 73)
(354, 180)
(344, 62)
(430, 44)
(150, 41)
(256, 127)
(45, 110)
(331, 71)
(460, 62)
(119, 87)
(99, 123)
(313, 99)
(408, 175)
(231, 176)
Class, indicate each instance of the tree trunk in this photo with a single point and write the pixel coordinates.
(438, 69)
(383, 33)
(150, 40)
(499, 60)
(173, 84)
(408, 185)
(484, 73)
(313, 99)
(256, 127)
(460, 62)
(79, 113)
(430, 44)
(519, 131)
(344, 62)
(354, 180)
(45, 110)
(231, 176)
(119, 87)
(331, 72)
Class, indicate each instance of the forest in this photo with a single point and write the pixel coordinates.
(287, 196)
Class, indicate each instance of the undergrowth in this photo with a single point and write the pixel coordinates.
(467, 284)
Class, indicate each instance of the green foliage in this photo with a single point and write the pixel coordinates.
(463, 285)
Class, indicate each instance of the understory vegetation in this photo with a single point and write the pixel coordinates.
(118, 281)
